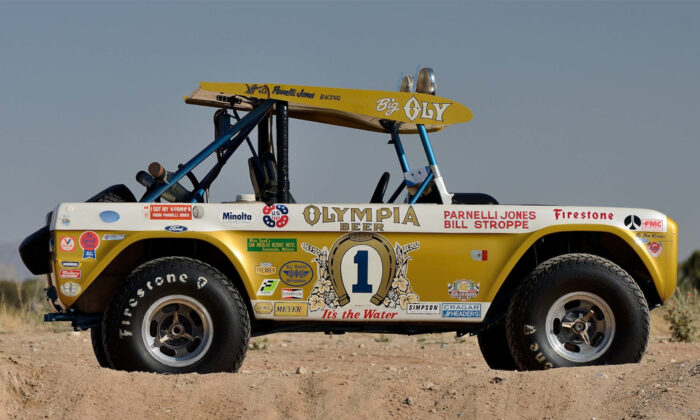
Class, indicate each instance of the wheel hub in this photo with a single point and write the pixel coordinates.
(580, 326)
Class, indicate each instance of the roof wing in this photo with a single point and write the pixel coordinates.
(354, 108)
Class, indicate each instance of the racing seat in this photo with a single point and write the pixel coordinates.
(263, 176)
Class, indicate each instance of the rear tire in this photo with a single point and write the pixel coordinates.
(176, 315)
(577, 310)
(494, 347)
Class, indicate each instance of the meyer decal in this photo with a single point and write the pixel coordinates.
(463, 289)
(423, 308)
(296, 273)
(265, 269)
(168, 211)
(113, 237)
(461, 310)
(291, 309)
(363, 219)
(89, 241)
(236, 218)
(275, 215)
(263, 308)
(480, 255)
(109, 216)
(70, 289)
(268, 286)
(271, 245)
(67, 243)
(176, 228)
(293, 294)
(69, 274)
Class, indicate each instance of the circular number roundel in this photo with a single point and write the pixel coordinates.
(349, 243)
(275, 215)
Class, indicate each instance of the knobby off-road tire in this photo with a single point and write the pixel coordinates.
(176, 315)
(119, 193)
(572, 296)
(494, 347)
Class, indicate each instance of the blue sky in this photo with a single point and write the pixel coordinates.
(581, 103)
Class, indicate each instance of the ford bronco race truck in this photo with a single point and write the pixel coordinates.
(173, 283)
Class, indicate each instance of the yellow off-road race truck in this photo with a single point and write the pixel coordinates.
(172, 283)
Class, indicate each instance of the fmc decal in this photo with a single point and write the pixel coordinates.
(363, 219)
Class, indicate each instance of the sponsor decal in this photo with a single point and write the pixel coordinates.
(275, 215)
(113, 237)
(268, 287)
(197, 212)
(271, 245)
(65, 219)
(463, 289)
(423, 308)
(70, 289)
(327, 97)
(358, 314)
(384, 282)
(70, 264)
(296, 273)
(67, 243)
(633, 222)
(655, 248)
(426, 110)
(176, 228)
(293, 294)
(277, 90)
(263, 308)
(488, 219)
(291, 308)
(387, 105)
(109, 216)
(89, 241)
(255, 88)
(266, 269)
(560, 214)
(168, 211)
(69, 274)
(480, 254)
(461, 310)
(360, 219)
(236, 218)
(653, 225)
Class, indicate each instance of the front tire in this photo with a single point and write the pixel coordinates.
(577, 310)
(176, 315)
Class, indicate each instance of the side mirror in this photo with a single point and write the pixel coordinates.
(426, 81)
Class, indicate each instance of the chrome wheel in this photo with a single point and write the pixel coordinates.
(177, 330)
(580, 326)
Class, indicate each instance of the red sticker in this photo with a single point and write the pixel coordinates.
(168, 212)
(89, 241)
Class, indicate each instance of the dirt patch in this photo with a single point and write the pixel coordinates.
(55, 375)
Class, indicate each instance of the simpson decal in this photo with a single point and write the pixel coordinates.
(423, 308)
(363, 267)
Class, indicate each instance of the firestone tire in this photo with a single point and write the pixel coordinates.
(493, 344)
(577, 310)
(97, 346)
(176, 315)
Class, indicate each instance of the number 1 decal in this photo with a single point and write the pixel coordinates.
(362, 285)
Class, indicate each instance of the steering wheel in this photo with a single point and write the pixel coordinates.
(380, 189)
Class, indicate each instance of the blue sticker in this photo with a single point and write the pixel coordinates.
(70, 264)
(175, 228)
(461, 310)
(296, 273)
(109, 216)
(113, 237)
